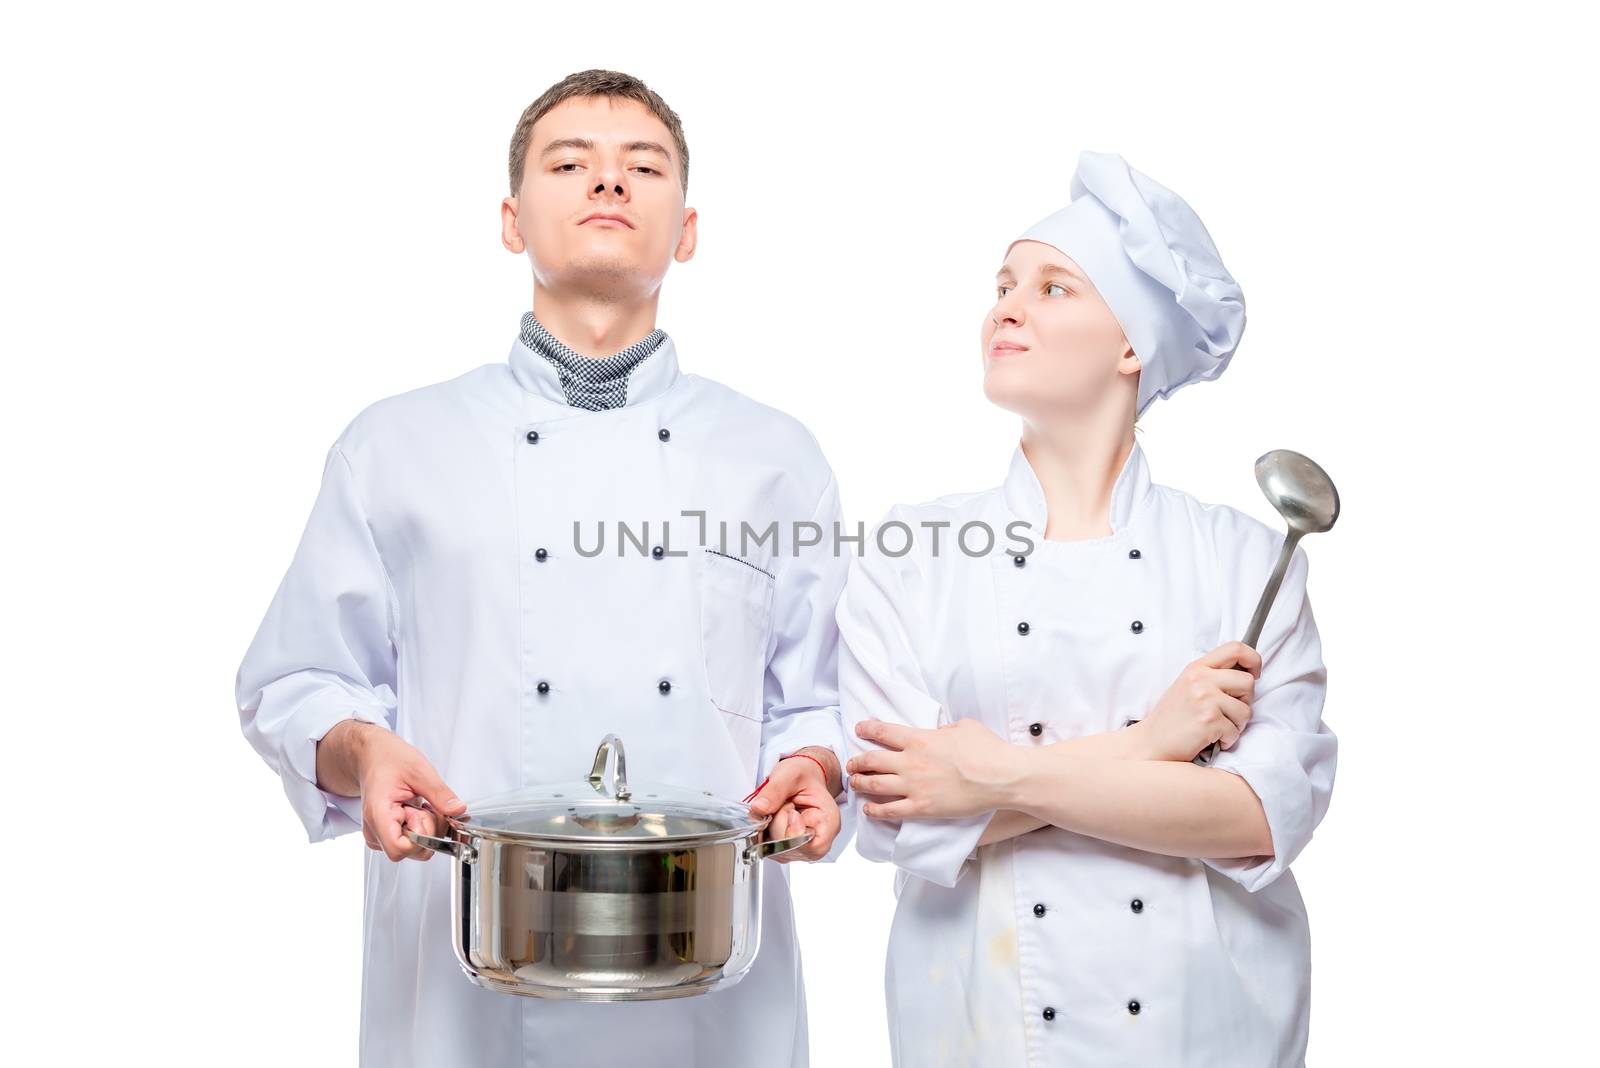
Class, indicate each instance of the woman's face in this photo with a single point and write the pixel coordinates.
(1051, 345)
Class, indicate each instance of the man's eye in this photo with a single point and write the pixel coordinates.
(652, 170)
(564, 166)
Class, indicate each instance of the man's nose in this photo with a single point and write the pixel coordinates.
(615, 188)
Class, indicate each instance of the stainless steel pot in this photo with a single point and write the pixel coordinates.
(593, 891)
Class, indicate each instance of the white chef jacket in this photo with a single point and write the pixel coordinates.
(418, 599)
(1034, 951)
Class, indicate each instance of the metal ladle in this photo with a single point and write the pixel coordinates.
(1305, 496)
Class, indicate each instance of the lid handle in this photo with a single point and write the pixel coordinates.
(609, 758)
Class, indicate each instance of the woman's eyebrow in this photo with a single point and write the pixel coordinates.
(1047, 269)
(1051, 268)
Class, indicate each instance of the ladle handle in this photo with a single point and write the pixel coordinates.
(1259, 620)
(609, 759)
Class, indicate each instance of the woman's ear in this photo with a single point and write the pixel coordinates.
(1129, 363)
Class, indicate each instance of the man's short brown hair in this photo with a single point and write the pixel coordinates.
(606, 83)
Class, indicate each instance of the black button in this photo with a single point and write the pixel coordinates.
(1136, 626)
(1133, 1008)
(663, 433)
(533, 437)
(658, 552)
(1133, 554)
(1036, 729)
(1049, 1014)
(664, 686)
(540, 555)
(1022, 628)
(1136, 905)
(1038, 910)
(543, 687)
(1020, 560)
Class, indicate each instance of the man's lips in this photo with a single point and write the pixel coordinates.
(601, 217)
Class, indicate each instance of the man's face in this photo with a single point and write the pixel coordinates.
(589, 158)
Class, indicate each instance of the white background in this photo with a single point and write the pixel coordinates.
(227, 229)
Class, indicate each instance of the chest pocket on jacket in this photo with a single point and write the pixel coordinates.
(735, 623)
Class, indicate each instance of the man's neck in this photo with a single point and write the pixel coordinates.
(591, 325)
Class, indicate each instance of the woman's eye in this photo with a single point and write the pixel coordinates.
(1000, 291)
(1055, 285)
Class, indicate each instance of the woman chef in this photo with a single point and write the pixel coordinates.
(1073, 890)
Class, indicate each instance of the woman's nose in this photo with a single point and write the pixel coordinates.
(1007, 312)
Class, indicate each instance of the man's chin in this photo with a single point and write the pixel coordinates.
(607, 274)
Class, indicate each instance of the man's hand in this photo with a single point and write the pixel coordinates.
(387, 772)
(797, 797)
(958, 769)
(1208, 702)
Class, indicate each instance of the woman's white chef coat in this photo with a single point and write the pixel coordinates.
(437, 590)
(1054, 948)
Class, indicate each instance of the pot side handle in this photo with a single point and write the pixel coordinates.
(448, 846)
(778, 847)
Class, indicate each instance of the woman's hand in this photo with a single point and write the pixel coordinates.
(956, 770)
(1209, 702)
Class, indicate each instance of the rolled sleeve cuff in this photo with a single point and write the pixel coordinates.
(1286, 798)
(805, 731)
(937, 850)
(324, 815)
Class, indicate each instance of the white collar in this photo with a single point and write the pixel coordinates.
(653, 377)
(1024, 496)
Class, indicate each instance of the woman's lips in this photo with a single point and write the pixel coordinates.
(1006, 348)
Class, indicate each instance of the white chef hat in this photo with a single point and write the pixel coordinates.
(1150, 257)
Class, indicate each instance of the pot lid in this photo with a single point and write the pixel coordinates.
(604, 807)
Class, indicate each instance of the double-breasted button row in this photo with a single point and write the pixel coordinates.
(1050, 1013)
(542, 554)
(1137, 626)
(663, 434)
(664, 686)
(1137, 906)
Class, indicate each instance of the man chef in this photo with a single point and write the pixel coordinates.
(440, 635)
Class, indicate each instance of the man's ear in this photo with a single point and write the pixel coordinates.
(689, 237)
(510, 236)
